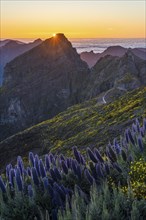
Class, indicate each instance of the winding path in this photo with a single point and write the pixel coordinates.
(103, 98)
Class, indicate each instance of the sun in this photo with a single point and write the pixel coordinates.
(54, 35)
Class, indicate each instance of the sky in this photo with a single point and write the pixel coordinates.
(76, 19)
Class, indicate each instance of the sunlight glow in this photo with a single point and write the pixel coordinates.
(76, 19)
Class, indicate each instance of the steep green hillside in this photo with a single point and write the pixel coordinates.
(84, 125)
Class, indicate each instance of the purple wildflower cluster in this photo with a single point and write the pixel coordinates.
(48, 175)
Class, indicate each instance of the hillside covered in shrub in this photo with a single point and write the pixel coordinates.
(84, 125)
(99, 185)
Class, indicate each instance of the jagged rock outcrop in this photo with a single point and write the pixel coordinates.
(113, 76)
(41, 83)
(9, 49)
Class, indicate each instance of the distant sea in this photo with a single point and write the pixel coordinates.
(99, 45)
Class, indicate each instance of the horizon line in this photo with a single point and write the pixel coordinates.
(27, 38)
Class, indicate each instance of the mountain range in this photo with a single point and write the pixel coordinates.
(9, 49)
(91, 58)
(50, 77)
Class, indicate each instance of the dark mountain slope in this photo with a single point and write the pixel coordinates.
(113, 76)
(11, 49)
(41, 83)
(84, 125)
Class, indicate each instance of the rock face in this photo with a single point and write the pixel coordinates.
(41, 83)
(91, 58)
(9, 49)
(113, 76)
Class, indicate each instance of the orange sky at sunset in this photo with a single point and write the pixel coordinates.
(76, 19)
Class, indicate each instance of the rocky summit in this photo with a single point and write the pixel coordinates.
(41, 83)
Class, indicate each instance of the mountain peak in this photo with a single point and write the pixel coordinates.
(52, 72)
(60, 35)
(57, 38)
(39, 40)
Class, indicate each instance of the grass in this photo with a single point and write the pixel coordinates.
(85, 125)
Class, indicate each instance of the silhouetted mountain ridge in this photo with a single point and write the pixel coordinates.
(91, 58)
(11, 49)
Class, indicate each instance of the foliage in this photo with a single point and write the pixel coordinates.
(102, 185)
(104, 203)
(84, 125)
(137, 178)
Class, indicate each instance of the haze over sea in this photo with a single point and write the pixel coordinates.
(98, 45)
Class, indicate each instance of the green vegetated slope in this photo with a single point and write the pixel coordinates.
(85, 125)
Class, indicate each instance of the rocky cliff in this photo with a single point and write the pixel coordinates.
(113, 76)
(41, 83)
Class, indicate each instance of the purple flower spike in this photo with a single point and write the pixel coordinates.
(46, 182)
(60, 191)
(134, 127)
(130, 136)
(57, 173)
(19, 180)
(140, 143)
(107, 168)
(112, 154)
(88, 176)
(92, 156)
(127, 137)
(51, 157)
(47, 163)
(30, 191)
(137, 125)
(36, 157)
(28, 171)
(62, 157)
(42, 169)
(36, 165)
(31, 158)
(82, 160)
(64, 167)
(99, 157)
(20, 164)
(79, 172)
(99, 171)
(144, 124)
(74, 167)
(53, 174)
(8, 168)
(11, 176)
(35, 176)
(142, 131)
(2, 185)
(77, 154)
(68, 163)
